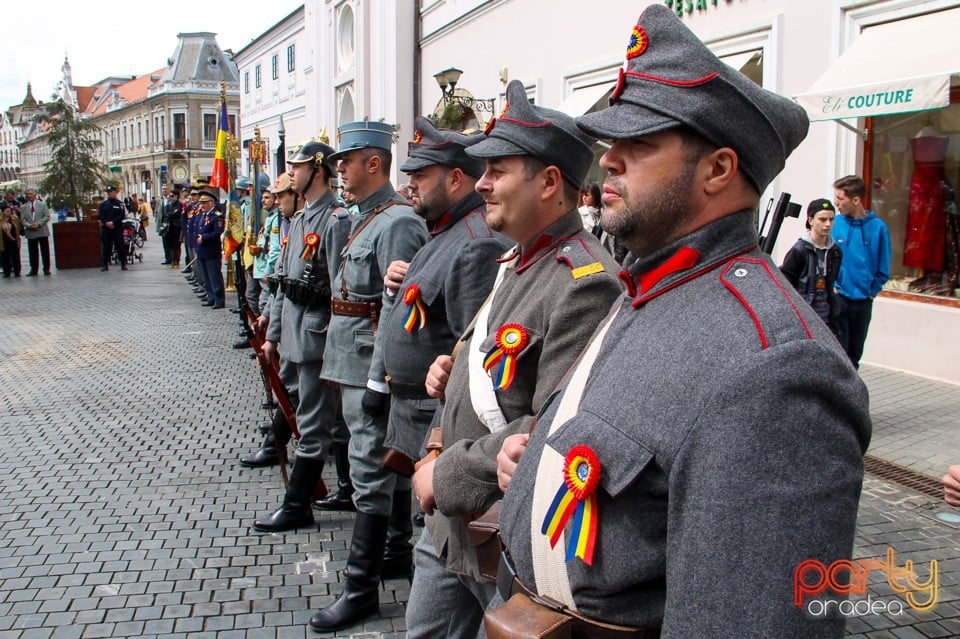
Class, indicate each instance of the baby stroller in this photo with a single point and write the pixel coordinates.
(132, 240)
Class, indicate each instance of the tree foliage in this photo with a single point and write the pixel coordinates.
(73, 174)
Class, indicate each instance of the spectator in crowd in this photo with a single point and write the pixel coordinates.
(865, 241)
(36, 220)
(811, 265)
(10, 242)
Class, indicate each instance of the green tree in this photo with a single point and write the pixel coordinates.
(73, 172)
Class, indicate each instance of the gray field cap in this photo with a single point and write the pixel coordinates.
(672, 79)
(363, 135)
(431, 145)
(550, 136)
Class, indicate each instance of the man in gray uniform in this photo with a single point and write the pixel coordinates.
(438, 294)
(709, 441)
(553, 289)
(385, 230)
(299, 317)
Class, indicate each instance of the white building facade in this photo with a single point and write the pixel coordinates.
(569, 60)
(275, 91)
(377, 60)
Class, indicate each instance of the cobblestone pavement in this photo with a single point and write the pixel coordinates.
(123, 512)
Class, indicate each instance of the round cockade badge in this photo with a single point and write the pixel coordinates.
(638, 42)
(582, 471)
(511, 338)
(412, 294)
(311, 240)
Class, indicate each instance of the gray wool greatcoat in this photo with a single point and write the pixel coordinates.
(454, 272)
(40, 215)
(395, 234)
(302, 331)
(730, 430)
(560, 310)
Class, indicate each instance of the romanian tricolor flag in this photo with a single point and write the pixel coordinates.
(234, 222)
(221, 172)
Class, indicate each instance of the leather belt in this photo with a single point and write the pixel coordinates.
(401, 390)
(356, 309)
(508, 584)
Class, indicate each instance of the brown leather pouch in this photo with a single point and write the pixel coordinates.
(522, 618)
(398, 462)
(434, 448)
(482, 535)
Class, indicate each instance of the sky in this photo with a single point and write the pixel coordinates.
(105, 38)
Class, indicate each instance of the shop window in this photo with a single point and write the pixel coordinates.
(914, 161)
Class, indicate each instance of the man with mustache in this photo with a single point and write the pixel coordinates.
(553, 289)
(710, 439)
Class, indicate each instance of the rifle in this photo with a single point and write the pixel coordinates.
(785, 208)
(270, 375)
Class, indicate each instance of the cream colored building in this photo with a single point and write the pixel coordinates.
(275, 69)
(378, 60)
(159, 126)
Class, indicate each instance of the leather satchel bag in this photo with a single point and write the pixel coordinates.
(483, 535)
(522, 618)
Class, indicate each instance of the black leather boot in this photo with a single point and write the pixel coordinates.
(267, 454)
(360, 597)
(398, 557)
(264, 456)
(295, 511)
(342, 499)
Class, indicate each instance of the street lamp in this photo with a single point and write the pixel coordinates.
(456, 109)
(447, 80)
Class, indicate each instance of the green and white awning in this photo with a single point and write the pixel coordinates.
(896, 67)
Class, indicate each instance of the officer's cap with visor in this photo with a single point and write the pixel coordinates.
(364, 134)
(671, 79)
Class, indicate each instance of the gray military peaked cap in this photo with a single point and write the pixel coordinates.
(431, 145)
(672, 79)
(550, 136)
(363, 134)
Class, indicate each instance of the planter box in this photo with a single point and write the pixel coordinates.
(76, 244)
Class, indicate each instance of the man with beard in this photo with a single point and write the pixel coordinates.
(709, 442)
(553, 288)
(438, 294)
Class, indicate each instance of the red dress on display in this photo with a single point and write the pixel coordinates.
(923, 246)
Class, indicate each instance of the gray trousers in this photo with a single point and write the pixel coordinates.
(265, 297)
(253, 294)
(317, 411)
(373, 484)
(444, 604)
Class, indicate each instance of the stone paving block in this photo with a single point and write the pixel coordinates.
(128, 505)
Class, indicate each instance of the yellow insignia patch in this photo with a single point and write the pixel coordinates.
(589, 269)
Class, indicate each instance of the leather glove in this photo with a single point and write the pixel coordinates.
(375, 404)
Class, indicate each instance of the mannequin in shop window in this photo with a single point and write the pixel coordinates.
(925, 242)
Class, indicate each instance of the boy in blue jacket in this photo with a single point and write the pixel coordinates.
(865, 241)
